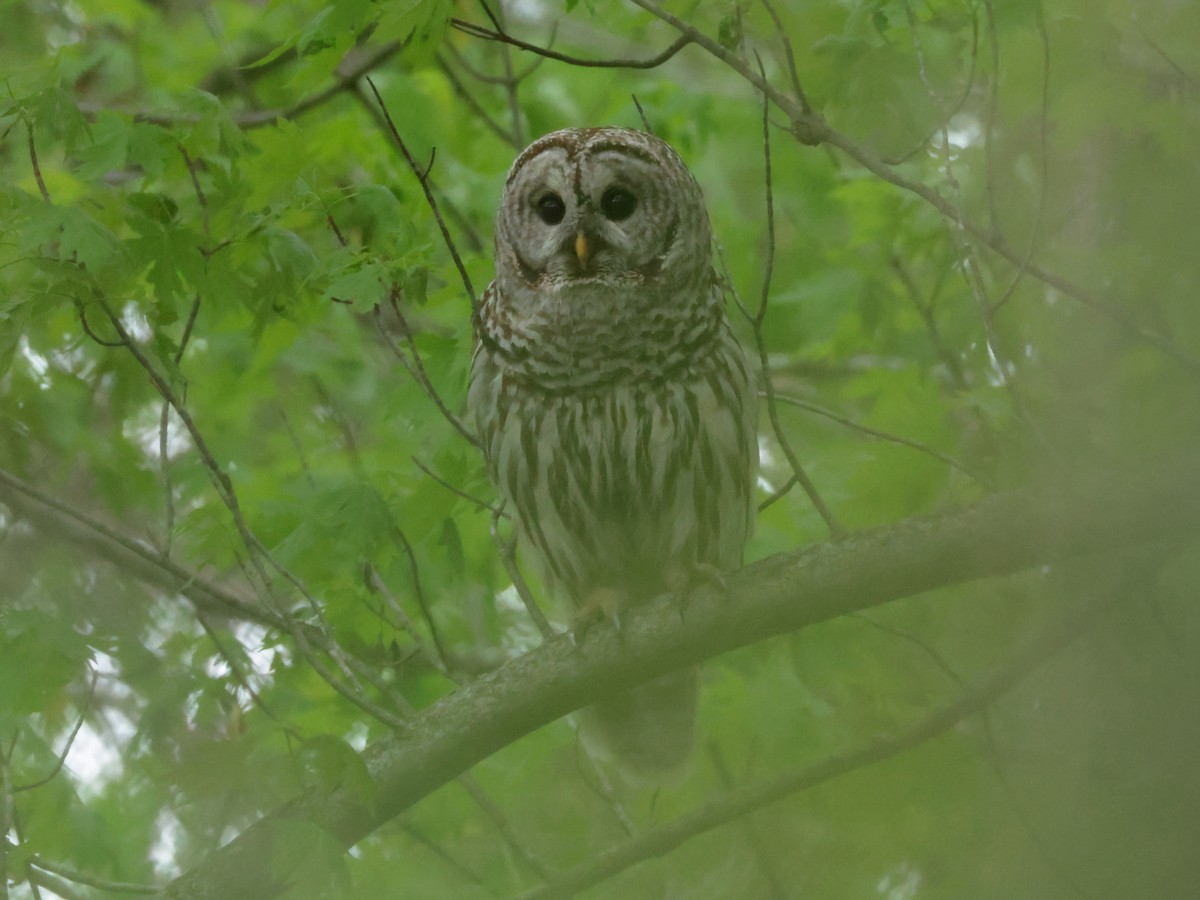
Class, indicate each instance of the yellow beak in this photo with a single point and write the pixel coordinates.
(581, 250)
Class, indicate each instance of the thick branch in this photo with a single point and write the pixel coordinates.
(1004, 533)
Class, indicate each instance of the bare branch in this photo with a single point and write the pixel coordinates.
(779, 493)
(203, 200)
(968, 87)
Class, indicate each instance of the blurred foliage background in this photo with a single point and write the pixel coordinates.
(206, 190)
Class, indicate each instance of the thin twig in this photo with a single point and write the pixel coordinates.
(484, 78)
(599, 783)
(642, 115)
(440, 852)
(422, 603)
(509, 558)
(203, 200)
(59, 886)
(375, 583)
(968, 262)
(956, 107)
(241, 678)
(87, 329)
(482, 504)
(120, 887)
(33, 159)
(779, 493)
(881, 435)
(990, 115)
(511, 84)
(66, 519)
(1043, 131)
(477, 110)
(750, 826)
(416, 368)
(925, 309)
(756, 321)
(801, 97)
(260, 118)
(486, 34)
(507, 833)
(164, 422)
(8, 814)
(66, 750)
(430, 199)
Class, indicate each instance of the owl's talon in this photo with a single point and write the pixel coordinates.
(689, 582)
(602, 604)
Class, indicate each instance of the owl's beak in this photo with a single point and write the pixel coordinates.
(581, 250)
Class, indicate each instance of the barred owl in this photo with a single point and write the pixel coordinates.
(613, 400)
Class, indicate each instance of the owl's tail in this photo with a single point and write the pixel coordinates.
(649, 730)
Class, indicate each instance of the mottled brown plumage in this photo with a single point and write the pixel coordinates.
(613, 401)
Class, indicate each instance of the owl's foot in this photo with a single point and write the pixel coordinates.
(693, 581)
(601, 604)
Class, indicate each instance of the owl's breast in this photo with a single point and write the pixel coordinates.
(610, 484)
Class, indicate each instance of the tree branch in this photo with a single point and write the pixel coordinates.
(1004, 533)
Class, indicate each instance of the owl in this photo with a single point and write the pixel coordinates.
(614, 404)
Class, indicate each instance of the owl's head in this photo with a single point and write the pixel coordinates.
(601, 207)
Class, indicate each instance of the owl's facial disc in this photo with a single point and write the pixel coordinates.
(602, 209)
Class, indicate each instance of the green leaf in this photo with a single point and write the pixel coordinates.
(39, 656)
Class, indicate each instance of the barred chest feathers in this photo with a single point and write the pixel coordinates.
(626, 478)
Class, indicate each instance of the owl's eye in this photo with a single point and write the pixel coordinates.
(617, 204)
(550, 208)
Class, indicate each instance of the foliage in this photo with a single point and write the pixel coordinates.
(227, 310)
